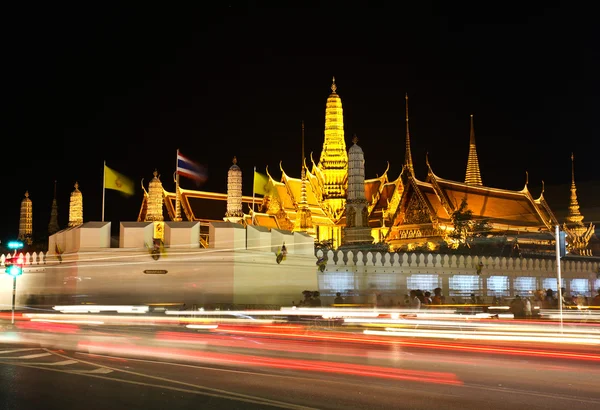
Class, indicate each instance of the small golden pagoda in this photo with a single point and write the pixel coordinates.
(26, 220)
(76, 207)
(154, 213)
(234, 194)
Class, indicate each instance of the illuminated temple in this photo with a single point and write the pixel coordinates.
(403, 212)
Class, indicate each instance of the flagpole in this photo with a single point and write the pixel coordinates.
(253, 182)
(103, 188)
(177, 194)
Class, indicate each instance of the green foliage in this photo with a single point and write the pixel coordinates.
(462, 220)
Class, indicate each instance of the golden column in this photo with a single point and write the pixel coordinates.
(76, 207)
(26, 220)
(333, 164)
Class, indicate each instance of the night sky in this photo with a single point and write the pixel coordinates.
(131, 85)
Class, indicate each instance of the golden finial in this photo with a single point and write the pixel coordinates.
(76, 185)
(427, 158)
(234, 159)
(333, 86)
(543, 187)
(355, 139)
(526, 178)
(26, 194)
(155, 173)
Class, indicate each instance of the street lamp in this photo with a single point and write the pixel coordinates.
(14, 269)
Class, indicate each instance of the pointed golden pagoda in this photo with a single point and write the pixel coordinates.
(26, 220)
(76, 207)
(155, 199)
(53, 224)
(332, 169)
(234, 194)
(473, 176)
(579, 234)
(408, 162)
(303, 221)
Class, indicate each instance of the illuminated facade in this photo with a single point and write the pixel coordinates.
(26, 220)
(76, 207)
(404, 212)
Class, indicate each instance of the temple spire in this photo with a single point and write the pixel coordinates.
(408, 157)
(53, 224)
(473, 176)
(333, 164)
(303, 221)
(574, 217)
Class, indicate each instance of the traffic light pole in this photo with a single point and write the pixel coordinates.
(13, 299)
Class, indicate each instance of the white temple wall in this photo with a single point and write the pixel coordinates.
(360, 277)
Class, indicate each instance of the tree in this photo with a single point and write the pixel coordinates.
(462, 220)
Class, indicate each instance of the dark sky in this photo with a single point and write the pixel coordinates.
(130, 85)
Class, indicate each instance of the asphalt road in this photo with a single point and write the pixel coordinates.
(183, 370)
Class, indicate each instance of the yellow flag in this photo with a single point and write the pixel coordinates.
(261, 184)
(118, 182)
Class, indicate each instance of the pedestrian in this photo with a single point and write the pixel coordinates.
(527, 308)
(438, 298)
(339, 300)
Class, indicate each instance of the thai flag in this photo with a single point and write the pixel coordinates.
(189, 169)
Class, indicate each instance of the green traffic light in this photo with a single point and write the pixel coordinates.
(15, 245)
(14, 270)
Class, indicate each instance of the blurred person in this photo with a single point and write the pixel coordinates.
(438, 299)
(339, 300)
(415, 302)
(596, 300)
(517, 307)
(307, 299)
(316, 299)
(527, 308)
(427, 298)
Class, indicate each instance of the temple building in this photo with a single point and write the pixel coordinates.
(403, 212)
(26, 220)
(76, 207)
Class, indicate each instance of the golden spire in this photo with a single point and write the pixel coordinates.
(234, 160)
(333, 164)
(303, 221)
(473, 176)
(53, 224)
(408, 162)
(574, 217)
